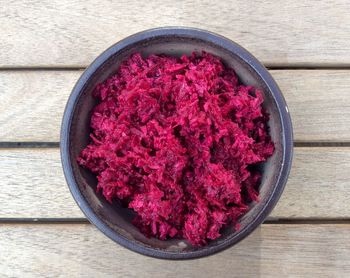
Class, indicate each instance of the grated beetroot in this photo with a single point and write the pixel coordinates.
(174, 139)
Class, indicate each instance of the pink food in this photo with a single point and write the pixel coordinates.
(175, 140)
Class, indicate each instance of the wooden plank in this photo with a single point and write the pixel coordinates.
(33, 185)
(319, 103)
(78, 250)
(72, 33)
(32, 103)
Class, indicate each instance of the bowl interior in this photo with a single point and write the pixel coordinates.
(118, 218)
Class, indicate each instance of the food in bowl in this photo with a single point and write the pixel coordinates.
(176, 140)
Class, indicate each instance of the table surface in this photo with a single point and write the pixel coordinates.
(44, 47)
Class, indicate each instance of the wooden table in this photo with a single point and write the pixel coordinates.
(45, 45)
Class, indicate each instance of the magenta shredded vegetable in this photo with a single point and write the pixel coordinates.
(175, 139)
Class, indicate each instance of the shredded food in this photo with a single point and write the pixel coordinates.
(176, 140)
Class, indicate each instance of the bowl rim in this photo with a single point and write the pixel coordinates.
(210, 37)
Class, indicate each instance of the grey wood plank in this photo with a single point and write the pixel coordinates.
(32, 104)
(79, 250)
(72, 33)
(33, 185)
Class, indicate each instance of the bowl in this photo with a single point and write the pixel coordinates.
(114, 220)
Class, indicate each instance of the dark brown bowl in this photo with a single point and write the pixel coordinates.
(115, 221)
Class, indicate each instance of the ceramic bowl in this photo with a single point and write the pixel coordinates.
(114, 220)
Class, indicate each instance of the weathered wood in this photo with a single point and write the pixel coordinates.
(79, 250)
(72, 33)
(63, 34)
(33, 185)
(32, 103)
(319, 103)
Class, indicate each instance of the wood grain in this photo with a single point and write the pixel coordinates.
(32, 103)
(71, 33)
(33, 185)
(319, 103)
(79, 250)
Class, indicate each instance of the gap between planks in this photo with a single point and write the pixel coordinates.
(297, 144)
(269, 67)
(286, 221)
